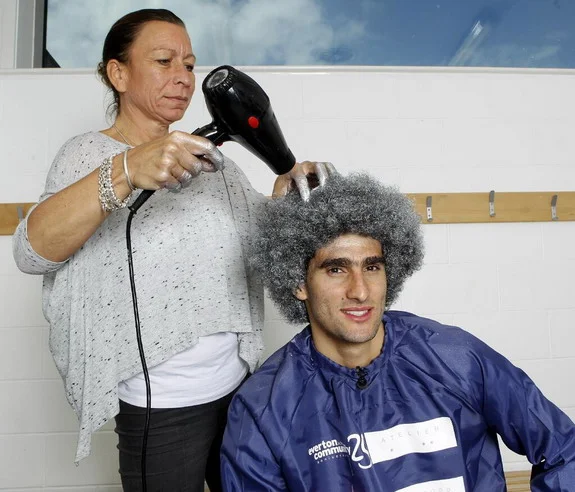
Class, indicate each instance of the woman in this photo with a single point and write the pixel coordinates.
(201, 312)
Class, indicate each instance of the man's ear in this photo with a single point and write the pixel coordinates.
(301, 292)
(117, 74)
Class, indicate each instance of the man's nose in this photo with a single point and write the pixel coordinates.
(357, 287)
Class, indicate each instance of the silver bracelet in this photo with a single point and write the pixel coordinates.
(126, 172)
(108, 198)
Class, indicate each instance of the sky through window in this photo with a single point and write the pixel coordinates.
(498, 33)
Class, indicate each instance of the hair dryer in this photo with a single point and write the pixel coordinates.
(241, 111)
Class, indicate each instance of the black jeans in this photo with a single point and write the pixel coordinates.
(183, 446)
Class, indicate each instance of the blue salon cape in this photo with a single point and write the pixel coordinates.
(427, 420)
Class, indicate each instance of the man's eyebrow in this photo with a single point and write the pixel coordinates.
(346, 262)
(374, 260)
(335, 262)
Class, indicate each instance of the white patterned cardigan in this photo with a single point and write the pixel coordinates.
(191, 277)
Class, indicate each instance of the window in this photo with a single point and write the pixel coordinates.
(498, 33)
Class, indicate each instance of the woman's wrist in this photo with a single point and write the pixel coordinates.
(119, 181)
(113, 189)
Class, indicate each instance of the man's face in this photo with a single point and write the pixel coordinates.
(345, 293)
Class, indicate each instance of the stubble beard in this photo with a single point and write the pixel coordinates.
(351, 337)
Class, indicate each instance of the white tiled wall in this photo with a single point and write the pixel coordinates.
(423, 130)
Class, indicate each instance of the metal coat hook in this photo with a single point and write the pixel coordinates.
(428, 209)
(554, 208)
(20, 212)
(492, 203)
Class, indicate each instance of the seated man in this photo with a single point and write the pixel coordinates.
(366, 399)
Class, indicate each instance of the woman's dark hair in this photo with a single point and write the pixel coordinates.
(291, 231)
(120, 39)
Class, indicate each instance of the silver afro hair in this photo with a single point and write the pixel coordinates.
(291, 231)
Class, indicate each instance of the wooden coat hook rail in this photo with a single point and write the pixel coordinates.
(458, 208)
(434, 208)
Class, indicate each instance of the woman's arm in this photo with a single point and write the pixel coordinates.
(62, 223)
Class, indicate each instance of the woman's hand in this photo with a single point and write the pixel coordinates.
(305, 177)
(172, 161)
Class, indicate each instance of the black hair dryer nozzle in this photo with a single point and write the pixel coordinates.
(241, 112)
